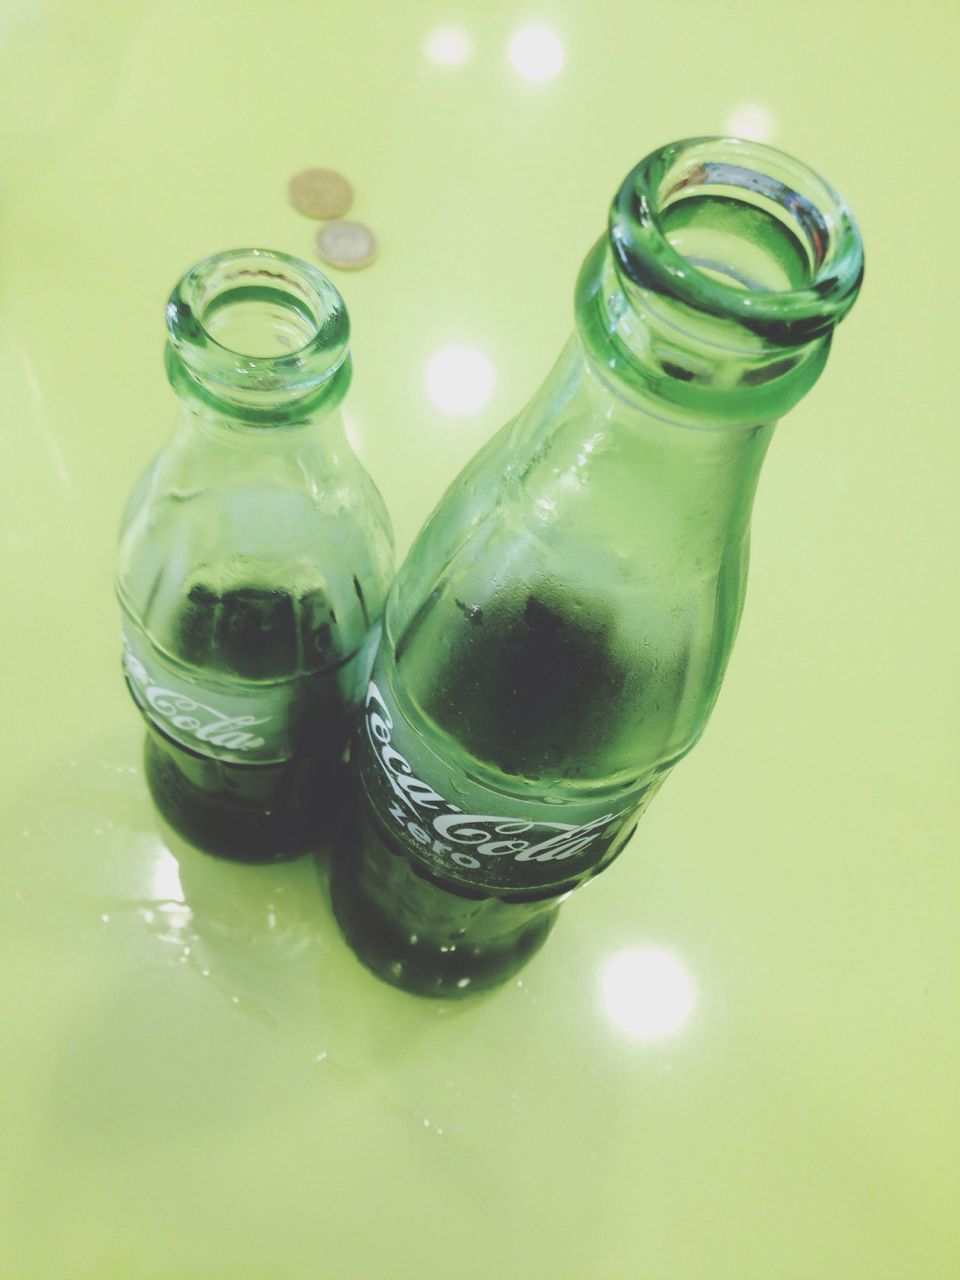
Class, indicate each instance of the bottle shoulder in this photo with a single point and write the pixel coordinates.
(430, 748)
(263, 572)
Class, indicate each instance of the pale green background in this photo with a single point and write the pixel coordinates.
(198, 1080)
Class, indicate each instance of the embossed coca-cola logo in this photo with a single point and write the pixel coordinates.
(191, 717)
(466, 838)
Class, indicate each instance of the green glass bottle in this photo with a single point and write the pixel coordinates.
(255, 557)
(557, 636)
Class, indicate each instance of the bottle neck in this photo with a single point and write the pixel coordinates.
(726, 267)
(259, 340)
(662, 485)
(682, 366)
(319, 433)
(269, 408)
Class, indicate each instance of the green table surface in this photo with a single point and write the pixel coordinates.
(737, 1056)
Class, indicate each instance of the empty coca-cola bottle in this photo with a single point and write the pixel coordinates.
(255, 555)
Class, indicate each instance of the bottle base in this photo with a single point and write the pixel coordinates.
(424, 938)
(244, 813)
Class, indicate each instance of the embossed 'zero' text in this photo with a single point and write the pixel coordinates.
(467, 838)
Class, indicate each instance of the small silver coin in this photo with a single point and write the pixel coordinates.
(346, 244)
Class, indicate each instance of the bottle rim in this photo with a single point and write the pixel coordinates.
(260, 386)
(752, 173)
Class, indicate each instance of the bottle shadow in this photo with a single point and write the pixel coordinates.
(248, 920)
(192, 976)
(407, 928)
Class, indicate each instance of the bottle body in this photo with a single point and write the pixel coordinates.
(557, 636)
(255, 556)
(553, 644)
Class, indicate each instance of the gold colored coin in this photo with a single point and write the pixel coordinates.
(320, 193)
(346, 244)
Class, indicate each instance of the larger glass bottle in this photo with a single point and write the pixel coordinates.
(255, 557)
(557, 636)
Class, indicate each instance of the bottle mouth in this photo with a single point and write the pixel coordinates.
(739, 231)
(259, 334)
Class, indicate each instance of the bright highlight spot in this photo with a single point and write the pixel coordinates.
(165, 878)
(459, 379)
(648, 993)
(536, 53)
(354, 435)
(448, 46)
(751, 122)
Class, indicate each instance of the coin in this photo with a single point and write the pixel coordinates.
(346, 244)
(320, 193)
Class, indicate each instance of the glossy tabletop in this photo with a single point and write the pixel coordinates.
(737, 1056)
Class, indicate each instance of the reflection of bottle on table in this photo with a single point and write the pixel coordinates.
(556, 639)
(255, 556)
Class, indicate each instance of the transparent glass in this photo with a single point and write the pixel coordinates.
(557, 637)
(255, 556)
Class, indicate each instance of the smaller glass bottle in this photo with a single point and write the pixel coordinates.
(255, 556)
